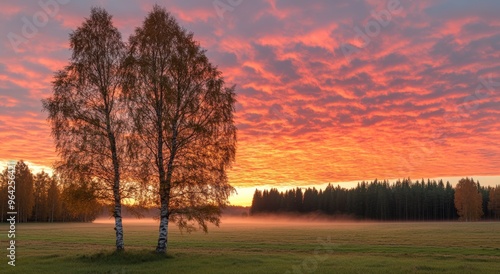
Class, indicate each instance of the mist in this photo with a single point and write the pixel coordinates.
(261, 220)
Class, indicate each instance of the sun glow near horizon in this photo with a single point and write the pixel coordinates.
(244, 193)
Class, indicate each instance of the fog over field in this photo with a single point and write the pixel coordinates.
(268, 220)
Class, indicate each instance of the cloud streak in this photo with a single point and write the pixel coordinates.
(421, 99)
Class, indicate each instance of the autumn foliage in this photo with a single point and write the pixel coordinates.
(468, 200)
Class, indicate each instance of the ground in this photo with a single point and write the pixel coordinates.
(266, 246)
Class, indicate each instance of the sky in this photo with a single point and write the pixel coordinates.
(328, 91)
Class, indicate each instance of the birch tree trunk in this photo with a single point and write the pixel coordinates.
(116, 192)
(163, 231)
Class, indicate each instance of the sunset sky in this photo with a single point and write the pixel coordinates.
(328, 91)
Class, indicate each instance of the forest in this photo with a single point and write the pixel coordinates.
(43, 198)
(404, 200)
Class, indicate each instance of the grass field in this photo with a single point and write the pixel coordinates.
(260, 247)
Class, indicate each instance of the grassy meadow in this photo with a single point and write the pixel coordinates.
(264, 246)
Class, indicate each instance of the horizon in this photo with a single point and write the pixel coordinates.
(244, 194)
(327, 93)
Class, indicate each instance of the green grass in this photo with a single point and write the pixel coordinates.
(264, 247)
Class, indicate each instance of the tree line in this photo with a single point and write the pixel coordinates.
(44, 198)
(379, 200)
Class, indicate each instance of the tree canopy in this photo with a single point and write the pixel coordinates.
(183, 116)
(86, 114)
(468, 200)
(151, 117)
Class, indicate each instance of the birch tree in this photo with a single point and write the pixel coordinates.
(85, 111)
(183, 117)
(468, 200)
